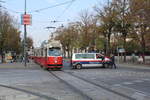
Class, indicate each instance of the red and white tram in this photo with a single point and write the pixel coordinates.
(49, 55)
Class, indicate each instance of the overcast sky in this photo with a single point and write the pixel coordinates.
(43, 18)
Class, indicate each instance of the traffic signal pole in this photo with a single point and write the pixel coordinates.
(25, 36)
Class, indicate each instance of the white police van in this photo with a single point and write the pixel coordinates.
(80, 60)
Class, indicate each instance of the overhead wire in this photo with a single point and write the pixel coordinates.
(56, 5)
(67, 7)
(12, 10)
(42, 9)
(70, 2)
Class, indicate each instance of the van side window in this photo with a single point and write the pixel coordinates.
(98, 56)
(84, 56)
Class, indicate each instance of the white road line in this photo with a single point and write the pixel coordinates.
(116, 85)
(127, 83)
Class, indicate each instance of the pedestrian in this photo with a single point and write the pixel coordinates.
(113, 65)
(0, 59)
(140, 59)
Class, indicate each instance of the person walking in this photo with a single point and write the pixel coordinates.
(113, 65)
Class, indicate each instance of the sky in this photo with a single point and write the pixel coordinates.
(42, 19)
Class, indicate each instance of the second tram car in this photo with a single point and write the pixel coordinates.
(49, 55)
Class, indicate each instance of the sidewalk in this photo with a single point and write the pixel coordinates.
(14, 81)
(18, 65)
(135, 65)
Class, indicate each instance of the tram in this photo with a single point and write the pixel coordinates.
(49, 55)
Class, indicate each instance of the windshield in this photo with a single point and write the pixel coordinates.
(54, 52)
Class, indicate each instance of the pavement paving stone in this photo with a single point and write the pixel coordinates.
(41, 83)
(118, 79)
(34, 80)
(10, 94)
(95, 92)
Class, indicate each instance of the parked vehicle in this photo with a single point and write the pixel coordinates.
(80, 60)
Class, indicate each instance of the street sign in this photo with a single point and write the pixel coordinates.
(26, 19)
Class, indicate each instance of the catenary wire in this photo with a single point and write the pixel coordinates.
(56, 5)
(67, 7)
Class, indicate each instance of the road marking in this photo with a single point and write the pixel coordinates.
(127, 83)
(117, 85)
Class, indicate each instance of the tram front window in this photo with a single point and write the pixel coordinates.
(54, 52)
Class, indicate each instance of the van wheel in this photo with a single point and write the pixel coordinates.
(78, 66)
(103, 66)
(106, 65)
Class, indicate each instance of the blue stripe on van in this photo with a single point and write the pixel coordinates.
(89, 62)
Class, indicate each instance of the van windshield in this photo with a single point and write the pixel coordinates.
(84, 56)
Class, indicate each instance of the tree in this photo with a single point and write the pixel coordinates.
(68, 38)
(107, 18)
(9, 35)
(85, 21)
(29, 42)
(140, 10)
(124, 21)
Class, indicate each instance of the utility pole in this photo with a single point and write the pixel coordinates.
(25, 36)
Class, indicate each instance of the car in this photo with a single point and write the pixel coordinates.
(80, 60)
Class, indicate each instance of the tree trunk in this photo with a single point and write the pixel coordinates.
(3, 58)
(108, 46)
(108, 42)
(105, 44)
(124, 46)
(64, 51)
(143, 47)
(2, 55)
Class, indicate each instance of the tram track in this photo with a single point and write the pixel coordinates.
(101, 86)
(72, 87)
(89, 82)
(28, 92)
